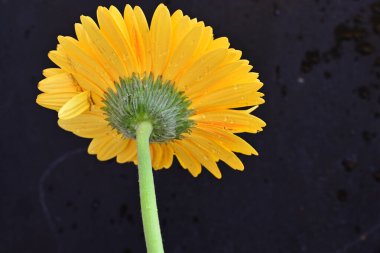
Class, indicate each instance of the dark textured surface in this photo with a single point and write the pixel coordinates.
(315, 188)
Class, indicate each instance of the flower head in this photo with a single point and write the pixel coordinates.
(173, 73)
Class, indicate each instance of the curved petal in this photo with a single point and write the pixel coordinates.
(160, 33)
(186, 159)
(206, 39)
(87, 72)
(120, 43)
(203, 156)
(182, 53)
(110, 58)
(54, 101)
(62, 82)
(129, 153)
(222, 76)
(232, 120)
(221, 42)
(220, 151)
(75, 106)
(156, 155)
(239, 95)
(230, 140)
(145, 35)
(52, 72)
(167, 158)
(136, 38)
(200, 69)
(89, 124)
(107, 147)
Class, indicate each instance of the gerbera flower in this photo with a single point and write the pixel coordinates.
(173, 74)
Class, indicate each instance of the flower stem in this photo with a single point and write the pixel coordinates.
(149, 212)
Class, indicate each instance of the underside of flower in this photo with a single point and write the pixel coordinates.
(135, 100)
(120, 71)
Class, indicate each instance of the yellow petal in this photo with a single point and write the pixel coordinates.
(203, 156)
(160, 31)
(220, 151)
(79, 56)
(232, 120)
(96, 98)
(233, 55)
(182, 53)
(110, 58)
(167, 158)
(121, 44)
(60, 59)
(201, 69)
(80, 33)
(107, 146)
(129, 153)
(119, 21)
(137, 41)
(87, 46)
(110, 149)
(156, 155)
(163, 151)
(250, 77)
(239, 95)
(227, 139)
(145, 36)
(75, 106)
(206, 39)
(176, 18)
(52, 72)
(181, 25)
(186, 159)
(59, 83)
(89, 124)
(221, 42)
(54, 101)
(74, 60)
(222, 76)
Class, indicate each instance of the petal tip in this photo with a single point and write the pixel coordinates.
(75, 106)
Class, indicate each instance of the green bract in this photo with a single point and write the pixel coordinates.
(157, 101)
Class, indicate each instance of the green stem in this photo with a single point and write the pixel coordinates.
(149, 212)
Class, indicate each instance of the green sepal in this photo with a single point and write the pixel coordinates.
(137, 99)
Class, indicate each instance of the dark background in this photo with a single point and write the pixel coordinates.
(315, 188)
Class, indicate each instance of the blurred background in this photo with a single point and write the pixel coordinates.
(314, 188)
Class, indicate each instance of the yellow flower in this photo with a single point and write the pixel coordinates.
(103, 67)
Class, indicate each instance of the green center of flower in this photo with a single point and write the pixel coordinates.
(136, 100)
